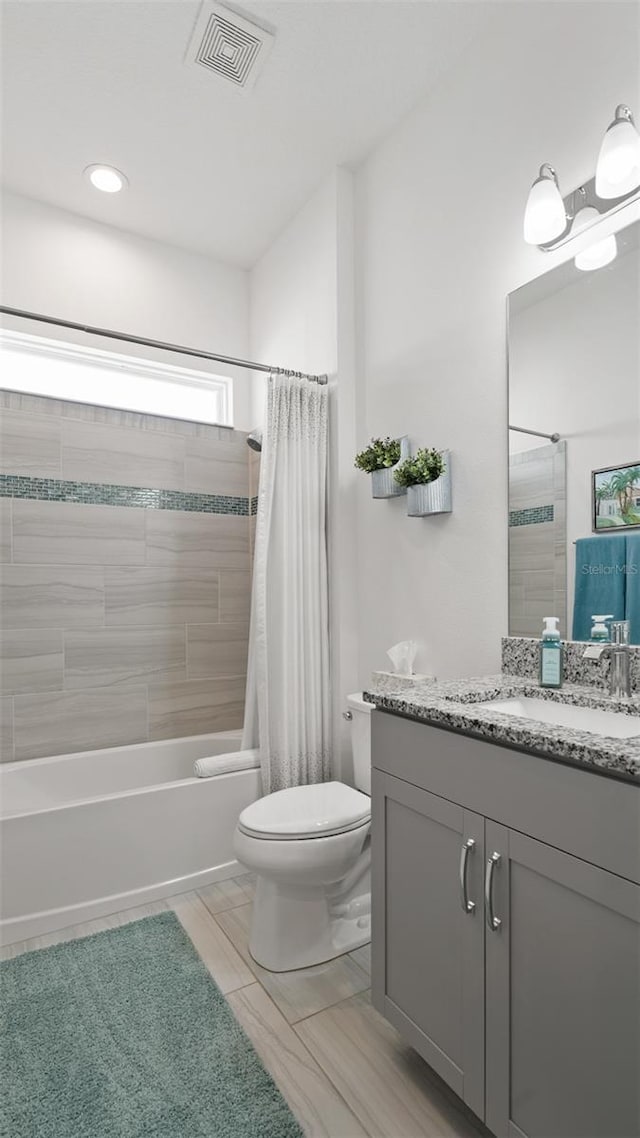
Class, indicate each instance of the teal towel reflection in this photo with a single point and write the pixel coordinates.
(600, 585)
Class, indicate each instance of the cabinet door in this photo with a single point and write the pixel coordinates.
(562, 995)
(427, 950)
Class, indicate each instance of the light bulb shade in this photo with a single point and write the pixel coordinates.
(585, 217)
(618, 169)
(545, 217)
(598, 255)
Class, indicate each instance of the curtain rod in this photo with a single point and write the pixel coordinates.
(127, 339)
(555, 437)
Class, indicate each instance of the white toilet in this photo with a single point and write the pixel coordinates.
(310, 849)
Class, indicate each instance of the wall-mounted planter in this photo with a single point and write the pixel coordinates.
(383, 483)
(431, 497)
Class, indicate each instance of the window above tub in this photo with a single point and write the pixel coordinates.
(59, 370)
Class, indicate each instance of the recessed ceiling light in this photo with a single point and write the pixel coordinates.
(106, 178)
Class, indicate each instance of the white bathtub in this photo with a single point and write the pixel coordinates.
(88, 834)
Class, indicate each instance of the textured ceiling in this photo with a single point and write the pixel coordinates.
(210, 168)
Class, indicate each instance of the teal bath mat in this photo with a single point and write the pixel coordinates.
(125, 1035)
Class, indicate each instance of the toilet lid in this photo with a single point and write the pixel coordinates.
(307, 811)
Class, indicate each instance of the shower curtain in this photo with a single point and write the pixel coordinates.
(288, 698)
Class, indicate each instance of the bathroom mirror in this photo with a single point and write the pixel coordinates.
(574, 411)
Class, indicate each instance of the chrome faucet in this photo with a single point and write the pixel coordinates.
(620, 672)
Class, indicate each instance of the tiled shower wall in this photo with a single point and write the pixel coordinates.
(125, 583)
(537, 539)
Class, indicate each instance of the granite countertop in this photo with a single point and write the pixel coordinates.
(453, 703)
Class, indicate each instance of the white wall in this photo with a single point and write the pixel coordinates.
(302, 318)
(60, 264)
(293, 314)
(439, 219)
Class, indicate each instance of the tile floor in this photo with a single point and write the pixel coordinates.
(343, 1069)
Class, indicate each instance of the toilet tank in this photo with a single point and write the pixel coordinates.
(361, 741)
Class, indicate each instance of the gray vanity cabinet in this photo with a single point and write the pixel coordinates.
(562, 995)
(429, 976)
(528, 1003)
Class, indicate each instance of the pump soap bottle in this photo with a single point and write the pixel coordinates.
(600, 634)
(551, 654)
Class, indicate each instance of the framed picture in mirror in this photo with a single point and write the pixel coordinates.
(616, 497)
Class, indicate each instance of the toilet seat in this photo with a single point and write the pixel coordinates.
(300, 812)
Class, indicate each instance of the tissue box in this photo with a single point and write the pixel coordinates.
(390, 683)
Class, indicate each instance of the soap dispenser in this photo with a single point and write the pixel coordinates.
(600, 634)
(551, 654)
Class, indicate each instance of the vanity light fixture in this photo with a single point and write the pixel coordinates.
(545, 217)
(551, 220)
(106, 178)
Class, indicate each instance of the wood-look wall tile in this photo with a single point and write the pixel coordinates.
(68, 533)
(30, 660)
(6, 730)
(5, 529)
(160, 595)
(195, 707)
(217, 650)
(188, 428)
(30, 404)
(233, 443)
(138, 420)
(217, 541)
(51, 596)
(106, 657)
(108, 416)
(54, 723)
(97, 452)
(29, 445)
(235, 597)
(159, 424)
(254, 472)
(216, 467)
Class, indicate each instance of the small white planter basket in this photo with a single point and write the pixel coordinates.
(383, 483)
(431, 497)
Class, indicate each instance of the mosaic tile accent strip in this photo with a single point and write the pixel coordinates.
(254, 506)
(532, 516)
(109, 494)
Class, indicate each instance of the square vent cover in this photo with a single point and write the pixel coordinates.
(229, 46)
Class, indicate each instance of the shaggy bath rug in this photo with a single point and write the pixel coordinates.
(125, 1035)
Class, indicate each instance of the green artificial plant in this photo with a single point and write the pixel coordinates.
(379, 455)
(424, 466)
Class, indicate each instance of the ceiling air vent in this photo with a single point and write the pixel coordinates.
(229, 46)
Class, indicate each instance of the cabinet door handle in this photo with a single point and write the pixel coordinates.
(467, 905)
(493, 922)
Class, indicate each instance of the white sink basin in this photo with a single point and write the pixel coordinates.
(612, 724)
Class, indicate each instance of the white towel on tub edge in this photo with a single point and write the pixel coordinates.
(227, 763)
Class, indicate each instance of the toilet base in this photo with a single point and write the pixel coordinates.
(295, 928)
